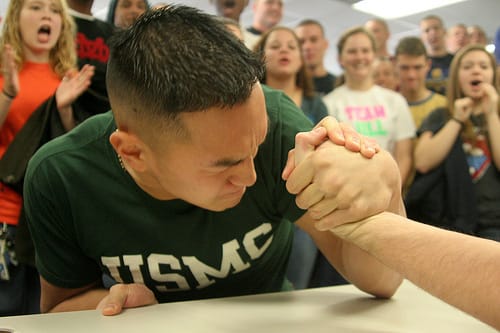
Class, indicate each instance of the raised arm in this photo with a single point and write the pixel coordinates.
(10, 86)
(72, 85)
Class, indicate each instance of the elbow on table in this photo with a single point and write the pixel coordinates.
(386, 289)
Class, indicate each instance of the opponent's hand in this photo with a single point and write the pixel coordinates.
(122, 296)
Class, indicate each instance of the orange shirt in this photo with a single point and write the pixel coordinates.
(37, 82)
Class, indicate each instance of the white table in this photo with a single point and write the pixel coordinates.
(342, 309)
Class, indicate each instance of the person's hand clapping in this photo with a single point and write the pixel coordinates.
(73, 84)
(9, 72)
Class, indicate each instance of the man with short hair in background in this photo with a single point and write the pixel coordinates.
(380, 31)
(412, 65)
(266, 15)
(457, 37)
(433, 34)
(314, 46)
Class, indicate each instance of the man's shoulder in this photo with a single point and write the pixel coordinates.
(96, 128)
(283, 113)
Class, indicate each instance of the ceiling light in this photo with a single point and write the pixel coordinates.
(390, 9)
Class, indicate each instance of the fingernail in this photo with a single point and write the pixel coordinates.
(110, 308)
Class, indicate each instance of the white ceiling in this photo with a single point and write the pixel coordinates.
(337, 16)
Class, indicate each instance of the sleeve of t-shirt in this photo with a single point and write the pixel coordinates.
(322, 111)
(285, 121)
(59, 259)
(433, 122)
(405, 125)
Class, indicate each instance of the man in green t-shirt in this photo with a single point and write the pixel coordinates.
(187, 190)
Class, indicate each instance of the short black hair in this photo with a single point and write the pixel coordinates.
(179, 59)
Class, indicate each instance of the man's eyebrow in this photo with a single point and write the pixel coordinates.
(228, 162)
(225, 162)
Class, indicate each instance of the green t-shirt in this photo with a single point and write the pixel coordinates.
(88, 216)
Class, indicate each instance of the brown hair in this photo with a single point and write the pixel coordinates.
(62, 57)
(303, 79)
(454, 91)
(412, 46)
(351, 32)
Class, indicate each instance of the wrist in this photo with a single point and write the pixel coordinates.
(8, 95)
(458, 121)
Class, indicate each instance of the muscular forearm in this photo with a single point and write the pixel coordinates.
(368, 273)
(460, 269)
(87, 300)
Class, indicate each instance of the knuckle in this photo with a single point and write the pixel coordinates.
(301, 202)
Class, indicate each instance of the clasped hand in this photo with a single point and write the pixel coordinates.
(338, 185)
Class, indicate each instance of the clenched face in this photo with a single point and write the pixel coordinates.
(214, 166)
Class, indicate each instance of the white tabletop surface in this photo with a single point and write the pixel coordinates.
(332, 309)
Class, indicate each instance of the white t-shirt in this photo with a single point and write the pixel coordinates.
(378, 113)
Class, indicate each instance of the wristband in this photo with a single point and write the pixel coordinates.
(9, 96)
(462, 124)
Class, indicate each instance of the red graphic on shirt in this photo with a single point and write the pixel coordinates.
(478, 157)
(92, 49)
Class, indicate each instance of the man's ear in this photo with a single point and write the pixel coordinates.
(130, 148)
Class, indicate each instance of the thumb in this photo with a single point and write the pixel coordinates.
(306, 143)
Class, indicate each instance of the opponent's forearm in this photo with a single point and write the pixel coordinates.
(461, 270)
(367, 273)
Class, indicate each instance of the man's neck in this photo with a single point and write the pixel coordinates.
(438, 52)
(383, 53)
(317, 70)
(84, 7)
(259, 27)
(413, 96)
